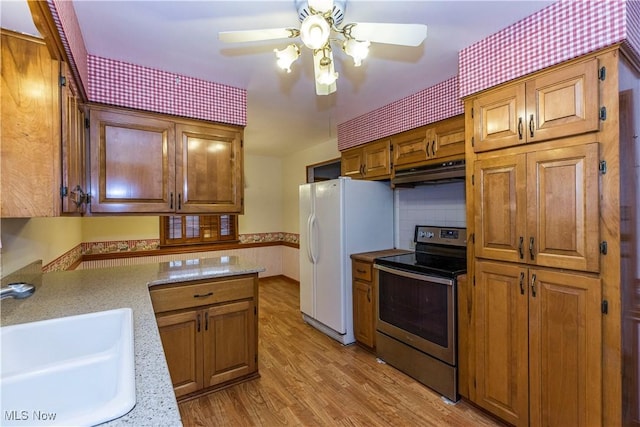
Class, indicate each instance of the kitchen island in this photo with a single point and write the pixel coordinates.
(68, 293)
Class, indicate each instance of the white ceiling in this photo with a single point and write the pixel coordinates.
(283, 113)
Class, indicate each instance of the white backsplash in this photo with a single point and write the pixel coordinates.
(442, 205)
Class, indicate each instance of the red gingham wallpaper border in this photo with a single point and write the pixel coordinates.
(562, 31)
(64, 15)
(129, 85)
(430, 105)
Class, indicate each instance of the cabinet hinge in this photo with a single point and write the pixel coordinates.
(63, 81)
(602, 73)
(255, 310)
(473, 141)
(473, 238)
(86, 123)
(391, 147)
(64, 191)
(473, 180)
(602, 167)
(605, 307)
(474, 280)
(603, 247)
(391, 166)
(472, 113)
(603, 113)
(241, 143)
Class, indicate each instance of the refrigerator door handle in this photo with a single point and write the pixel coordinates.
(312, 244)
(309, 237)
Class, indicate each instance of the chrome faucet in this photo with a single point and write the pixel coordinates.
(17, 290)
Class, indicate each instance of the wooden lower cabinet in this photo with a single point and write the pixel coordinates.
(210, 335)
(538, 339)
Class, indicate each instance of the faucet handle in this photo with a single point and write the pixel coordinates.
(17, 290)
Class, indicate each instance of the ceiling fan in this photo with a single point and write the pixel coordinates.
(320, 25)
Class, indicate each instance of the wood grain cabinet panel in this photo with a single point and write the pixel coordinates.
(550, 106)
(540, 208)
(538, 338)
(411, 147)
(370, 161)
(209, 332)
(208, 169)
(30, 128)
(363, 312)
(132, 163)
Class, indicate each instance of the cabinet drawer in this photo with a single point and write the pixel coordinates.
(362, 271)
(186, 296)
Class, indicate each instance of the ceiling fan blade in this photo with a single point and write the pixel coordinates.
(322, 89)
(256, 35)
(321, 6)
(400, 34)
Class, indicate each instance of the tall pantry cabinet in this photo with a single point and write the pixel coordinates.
(543, 220)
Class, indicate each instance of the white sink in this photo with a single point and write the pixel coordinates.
(76, 370)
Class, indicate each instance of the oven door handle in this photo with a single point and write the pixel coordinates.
(423, 277)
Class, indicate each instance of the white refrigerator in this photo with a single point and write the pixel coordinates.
(338, 218)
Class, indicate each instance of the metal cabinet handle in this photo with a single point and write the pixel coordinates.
(520, 127)
(198, 321)
(369, 294)
(171, 202)
(531, 126)
(520, 247)
(531, 248)
(533, 285)
(433, 148)
(203, 295)
(179, 201)
(206, 320)
(521, 283)
(361, 271)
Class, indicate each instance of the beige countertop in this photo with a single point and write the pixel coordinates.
(68, 293)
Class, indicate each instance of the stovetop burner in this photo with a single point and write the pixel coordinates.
(439, 251)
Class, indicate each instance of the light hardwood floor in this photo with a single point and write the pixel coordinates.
(308, 379)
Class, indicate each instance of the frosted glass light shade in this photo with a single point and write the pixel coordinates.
(356, 49)
(321, 5)
(314, 31)
(287, 56)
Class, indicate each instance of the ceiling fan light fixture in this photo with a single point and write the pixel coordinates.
(321, 6)
(287, 56)
(356, 49)
(315, 31)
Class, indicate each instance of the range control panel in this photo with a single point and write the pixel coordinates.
(441, 235)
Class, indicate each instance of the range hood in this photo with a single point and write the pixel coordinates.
(438, 173)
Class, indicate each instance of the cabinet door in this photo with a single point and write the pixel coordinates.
(499, 118)
(230, 343)
(363, 313)
(562, 197)
(208, 169)
(351, 163)
(563, 102)
(182, 342)
(500, 207)
(73, 147)
(500, 302)
(450, 138)
(411, 146)
(377, 159)
(30, 129)
(132, 163)
(565, 349)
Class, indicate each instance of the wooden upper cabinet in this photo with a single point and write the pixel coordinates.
(132, 163)
(208, 169)
(563, 214)
(557, 104)
(500, 207)
(148, 163)
(74, 188)
(369, 161)
(541, 208)
(421, 145)
(30, 128)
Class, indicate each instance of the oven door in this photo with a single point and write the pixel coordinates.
(418, 310)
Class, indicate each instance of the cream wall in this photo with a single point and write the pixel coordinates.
(101, 229)
(262, 195)
(294, 173)
(26, 240)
